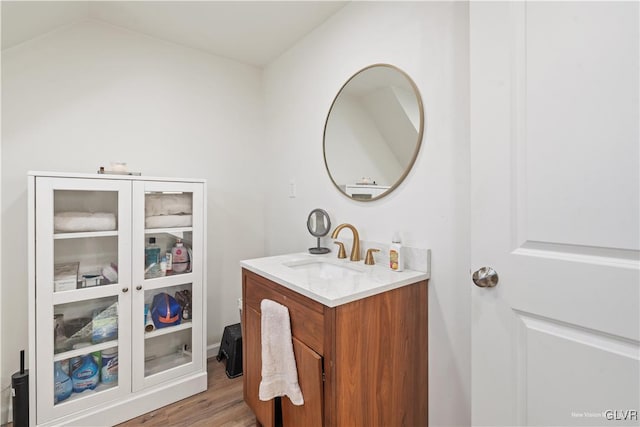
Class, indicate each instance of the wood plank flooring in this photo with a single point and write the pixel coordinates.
(220, 405)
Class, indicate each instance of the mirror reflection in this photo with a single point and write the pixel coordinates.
(318, 224)
(373, 132)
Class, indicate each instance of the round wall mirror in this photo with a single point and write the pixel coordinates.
(373, 132)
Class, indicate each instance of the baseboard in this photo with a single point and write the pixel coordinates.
(212, 350)
(6, 415)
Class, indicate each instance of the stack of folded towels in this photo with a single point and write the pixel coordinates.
(168, 210)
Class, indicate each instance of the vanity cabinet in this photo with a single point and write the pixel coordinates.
(92, 285)
(363, 363)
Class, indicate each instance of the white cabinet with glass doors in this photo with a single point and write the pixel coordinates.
(117, 301)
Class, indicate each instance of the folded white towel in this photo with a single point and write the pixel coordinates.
(279, 374)
(84, 221)
(167, 204)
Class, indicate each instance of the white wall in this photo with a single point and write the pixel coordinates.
(431, 208)
(89, 93)
(4, 379)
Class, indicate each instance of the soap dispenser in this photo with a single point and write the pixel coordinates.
(396, 258)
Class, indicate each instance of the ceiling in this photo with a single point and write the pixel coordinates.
(252, 32)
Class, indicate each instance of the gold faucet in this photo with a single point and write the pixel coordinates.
(341, 253)
(355, 249)
(369, 260)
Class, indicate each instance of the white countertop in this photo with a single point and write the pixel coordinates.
(332, 292)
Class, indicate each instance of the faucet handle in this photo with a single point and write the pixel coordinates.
(368, 259)
(341, 252)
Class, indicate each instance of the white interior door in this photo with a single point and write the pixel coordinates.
(555, 211)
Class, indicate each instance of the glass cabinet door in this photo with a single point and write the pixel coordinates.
(167, 273)
(83, 230)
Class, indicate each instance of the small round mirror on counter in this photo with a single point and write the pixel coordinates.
(319, 225)
(373, 132)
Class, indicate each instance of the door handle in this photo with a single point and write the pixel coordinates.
(485, 277)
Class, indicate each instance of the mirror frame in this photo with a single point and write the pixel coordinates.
(418, 142)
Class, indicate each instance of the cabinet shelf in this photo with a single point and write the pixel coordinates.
(167, 330)
(99, 389)
(164, 363)
(85, 234)
(169, 280)
(173, 230)
(84, 294)
(84, 350)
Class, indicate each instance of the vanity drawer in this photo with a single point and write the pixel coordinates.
(307, 316)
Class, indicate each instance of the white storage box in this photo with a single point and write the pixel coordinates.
(65, 276)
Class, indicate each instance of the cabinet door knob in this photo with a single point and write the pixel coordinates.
(139, 287)
(125, 290)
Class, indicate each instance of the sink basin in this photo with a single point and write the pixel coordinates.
(325, 269)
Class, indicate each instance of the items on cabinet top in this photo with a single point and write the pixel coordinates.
(117, 168)
(110, 177)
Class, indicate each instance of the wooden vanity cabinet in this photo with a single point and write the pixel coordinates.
(362, 363)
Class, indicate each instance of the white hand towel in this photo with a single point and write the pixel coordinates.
(279, 373)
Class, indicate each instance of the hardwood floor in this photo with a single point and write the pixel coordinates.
(221, 405)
